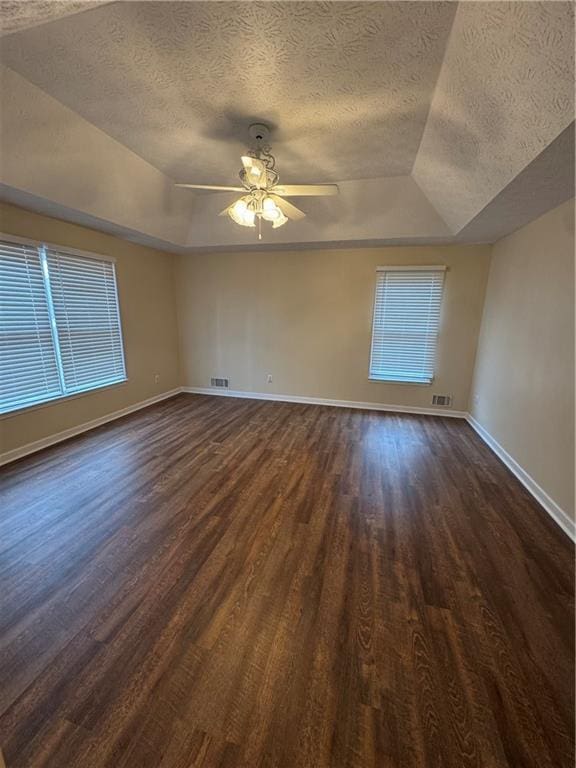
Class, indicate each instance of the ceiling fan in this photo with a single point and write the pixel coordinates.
(264, 197)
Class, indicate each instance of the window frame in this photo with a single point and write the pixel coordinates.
(407, 268)
(42, 246)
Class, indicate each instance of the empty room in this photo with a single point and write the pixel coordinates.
(287, 384)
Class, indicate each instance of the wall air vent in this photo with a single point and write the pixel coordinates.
(220, 383)
(445, 400)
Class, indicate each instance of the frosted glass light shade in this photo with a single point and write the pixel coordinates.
(280, 221)
(242, 214)
(270, 210)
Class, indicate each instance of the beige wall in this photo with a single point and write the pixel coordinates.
(146, 294)
(524, 380)
(305, 317)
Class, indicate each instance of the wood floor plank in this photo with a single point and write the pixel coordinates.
(223, 583)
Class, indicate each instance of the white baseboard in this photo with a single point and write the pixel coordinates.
(556, 513)
(45, 442)
(324, 401)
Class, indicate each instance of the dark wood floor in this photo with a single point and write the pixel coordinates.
(216, 582)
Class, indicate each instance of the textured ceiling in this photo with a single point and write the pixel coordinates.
(545, 183)
(506, 90)
(348, 84)
(441, 121)
(21, 14)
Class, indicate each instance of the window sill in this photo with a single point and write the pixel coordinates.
(402, 383)
(60, 399)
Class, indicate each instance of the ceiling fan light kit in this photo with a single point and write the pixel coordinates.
(264, 198)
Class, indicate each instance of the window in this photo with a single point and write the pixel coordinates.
(405, 324)
(60, 328)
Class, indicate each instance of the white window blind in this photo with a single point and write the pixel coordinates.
(28, 366)
(406, 323)
(59, 325)
(87, 318)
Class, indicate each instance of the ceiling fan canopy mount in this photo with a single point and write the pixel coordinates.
(259, 132)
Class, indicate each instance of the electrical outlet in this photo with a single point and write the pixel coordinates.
(156, 378)
(269, 378)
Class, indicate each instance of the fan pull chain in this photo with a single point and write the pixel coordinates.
(259, 228)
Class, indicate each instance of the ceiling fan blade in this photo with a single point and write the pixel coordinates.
(213, 187)
(305, 190)
(255, 171)
(288, 209)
